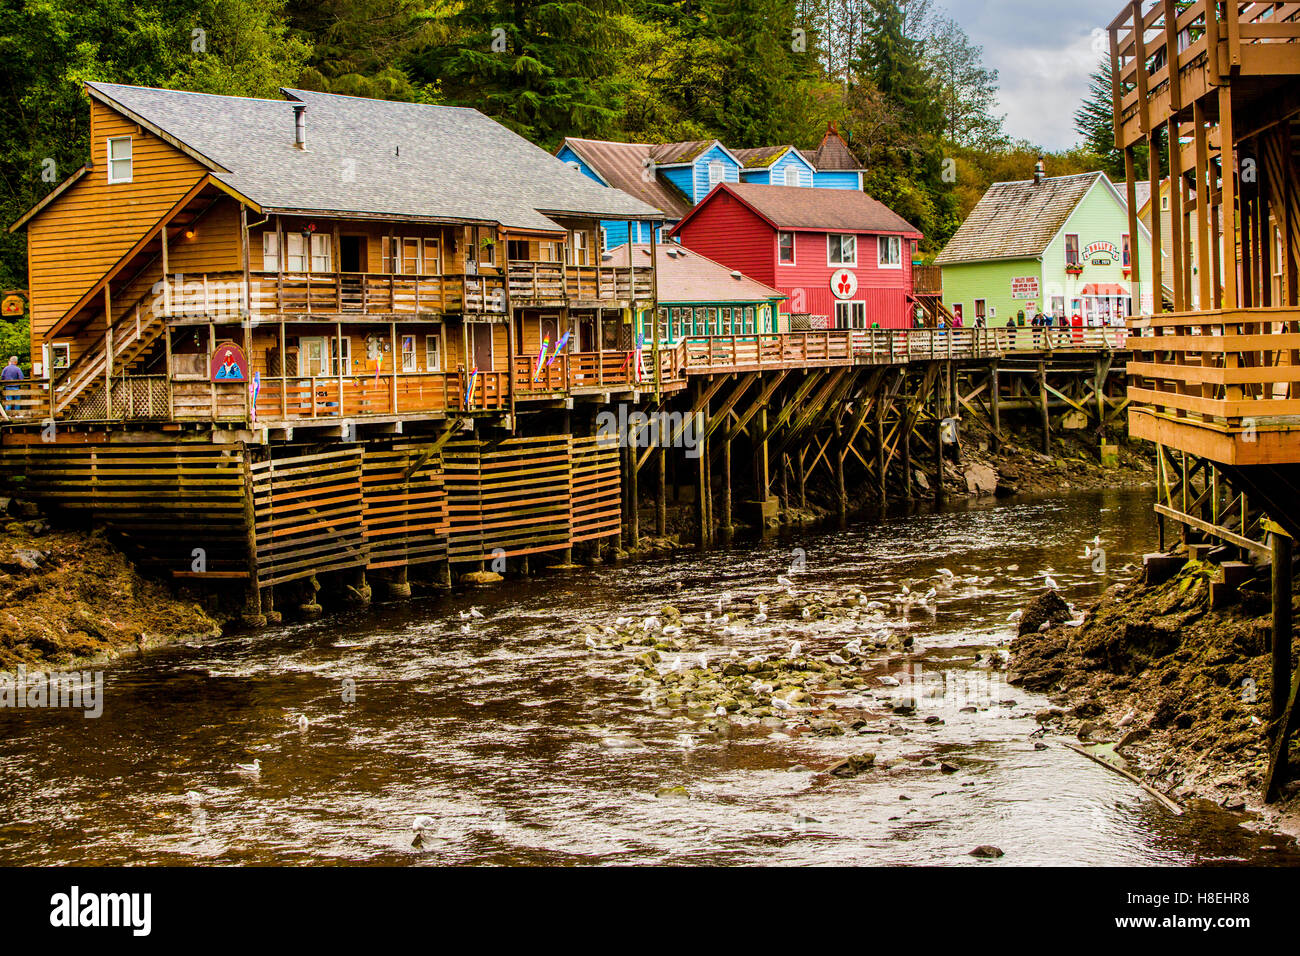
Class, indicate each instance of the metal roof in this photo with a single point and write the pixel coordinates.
(686, 276)
(807, 208)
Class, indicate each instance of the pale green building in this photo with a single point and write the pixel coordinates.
(1059, 245)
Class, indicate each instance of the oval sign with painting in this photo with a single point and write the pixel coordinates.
(844, 284)
(229, 364)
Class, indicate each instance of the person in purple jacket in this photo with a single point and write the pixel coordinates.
(12, 373)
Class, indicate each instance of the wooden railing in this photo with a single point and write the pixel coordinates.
(555, 281)
(1194, 45)
(1230, 371)
(288, 398)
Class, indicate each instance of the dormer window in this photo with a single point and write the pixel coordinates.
(119, 159)
(716, 174)
(791, 176)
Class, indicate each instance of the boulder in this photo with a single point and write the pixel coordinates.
(981, 479)
(480, 578)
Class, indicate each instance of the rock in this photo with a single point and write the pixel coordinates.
(480, 578)
(986, 852)
(946, 767)
(981, 479)
(1047, 608)
(27, 559)
(852, 766)
(673, 792)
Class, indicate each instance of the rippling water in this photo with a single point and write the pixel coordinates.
(496, 734)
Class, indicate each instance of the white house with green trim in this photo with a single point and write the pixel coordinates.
(1059, 245)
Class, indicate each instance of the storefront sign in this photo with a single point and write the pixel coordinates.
(844, 284)
(1101, 253)
(1024, 287)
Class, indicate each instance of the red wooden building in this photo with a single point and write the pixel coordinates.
(842, 259)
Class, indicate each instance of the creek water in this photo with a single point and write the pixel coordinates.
(499, 728)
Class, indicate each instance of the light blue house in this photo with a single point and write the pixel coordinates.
(675, 177)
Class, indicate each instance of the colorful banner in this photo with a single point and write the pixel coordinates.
(541, 357)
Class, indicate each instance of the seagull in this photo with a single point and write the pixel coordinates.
(781, 704)
(465, 629)
(672, 629)
(303, 722)
(854, 646)
(889, 681)
(806, 614)
(795, 648)
(1050, 583)
(193, 798)
(836, 659)
(255, 768)
(704, 662)
(420, 826)
(677, 663)
(761, 616)
(723, 599)
(591, 642)
(785, 582)
(929, 594)
(1015, 616)
(720, 711)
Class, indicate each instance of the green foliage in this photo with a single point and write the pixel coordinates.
(15, 339)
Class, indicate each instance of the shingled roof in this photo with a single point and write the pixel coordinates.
(805, 208)
(686, 276)
(623, 166)
(1017, 220)
(832, 154)
(760, 157)
(367, 157)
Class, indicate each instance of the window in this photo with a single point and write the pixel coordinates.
(1164, 202)
(295, 258)
(1071, 249)
(408, 353)
(321, 253)
(1058, 305)
(578, 248)
(517, 250)
(716, 174)
(119, 159)
(841, 250)
(981, 310)
(889, 251)
(60, 355)
(749, 318)
(270, 252)
(341, 356)
(785, 245)
(850, 315)
(791, 176)
(410, 257)
(489, 255)
(433, 353)
(1126, 254)
(549, 251)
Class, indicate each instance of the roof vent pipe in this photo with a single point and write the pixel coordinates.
(1040, 172)
(300, 125)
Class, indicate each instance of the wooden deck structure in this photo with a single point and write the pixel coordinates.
(1214, 87)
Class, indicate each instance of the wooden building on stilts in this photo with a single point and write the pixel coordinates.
(1215, 383)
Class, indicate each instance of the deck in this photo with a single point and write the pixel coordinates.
(300, 399)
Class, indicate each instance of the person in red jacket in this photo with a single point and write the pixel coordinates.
(1076, 320)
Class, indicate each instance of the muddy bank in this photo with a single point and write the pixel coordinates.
(1181, 690)
(68, 596)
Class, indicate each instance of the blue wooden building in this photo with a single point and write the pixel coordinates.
(675, 177)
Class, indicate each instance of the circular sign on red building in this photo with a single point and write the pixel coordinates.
(844, 284)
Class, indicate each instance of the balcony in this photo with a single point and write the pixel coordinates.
(1222, 385)
(1183, 52)
(555, 283)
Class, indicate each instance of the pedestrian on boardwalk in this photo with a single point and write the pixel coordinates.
(12, 373)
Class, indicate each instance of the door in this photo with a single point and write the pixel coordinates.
(481, 344)
(311, 356)
(352, 262)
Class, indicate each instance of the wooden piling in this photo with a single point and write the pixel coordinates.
(661, 493)
(881, 486)
(1042, 400)
(1282, 622)
(995, 443)
(633, 497)
(726, 485)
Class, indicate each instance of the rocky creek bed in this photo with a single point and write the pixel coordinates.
(70, 596)
(1180, 690)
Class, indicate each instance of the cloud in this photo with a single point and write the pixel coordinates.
(1044, 51)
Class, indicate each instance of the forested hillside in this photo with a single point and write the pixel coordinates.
(899, 78)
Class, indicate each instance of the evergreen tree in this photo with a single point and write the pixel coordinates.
(545, 69)
(1095, 122)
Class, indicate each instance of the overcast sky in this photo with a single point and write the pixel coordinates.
(1043, 51)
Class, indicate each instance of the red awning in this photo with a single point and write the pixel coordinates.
(1104, 288)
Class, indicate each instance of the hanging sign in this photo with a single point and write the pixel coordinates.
(844, 284)
(229, 364)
